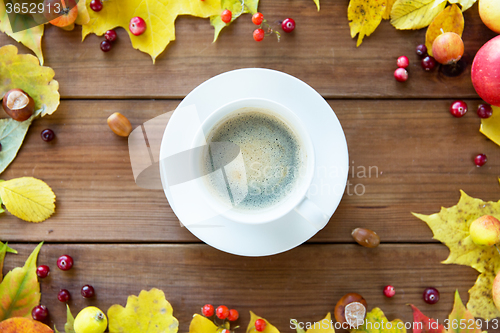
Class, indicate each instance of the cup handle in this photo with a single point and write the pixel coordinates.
(312, 213)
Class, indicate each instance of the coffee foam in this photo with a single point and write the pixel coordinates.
(272, 154)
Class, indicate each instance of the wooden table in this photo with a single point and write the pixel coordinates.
(125, 239)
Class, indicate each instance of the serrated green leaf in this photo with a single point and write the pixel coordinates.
(250, 6)
(414, 14)
(70, 321)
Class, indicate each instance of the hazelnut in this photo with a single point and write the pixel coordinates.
(18, 104)
(366, 237)
(119, 124)
(351, 309)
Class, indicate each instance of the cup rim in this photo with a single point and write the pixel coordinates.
(296, 196)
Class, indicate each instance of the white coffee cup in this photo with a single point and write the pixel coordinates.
(297, 200)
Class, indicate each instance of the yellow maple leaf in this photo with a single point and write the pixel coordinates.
(149, 312)
(201, 324)
(251, 325)
(491, 126)
(159, 15)
(450, 19)
(414, 14)
(325, 325)
(451, 227)
(31, 38)
(364, 17)
(28, 198)
(377, 322)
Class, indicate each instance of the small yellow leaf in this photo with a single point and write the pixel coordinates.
(150, 312)
(377, 322)
(450, 19)
(251, 325)
(364, 17)
(201, 324)
(414, 14)
(83, 13)
(317, 4)
(491, 126)
(28, 198)
(325, 325)
(388, 8)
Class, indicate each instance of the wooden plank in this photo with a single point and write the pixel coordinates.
(320, 52)
(420, 156)
(304, 283)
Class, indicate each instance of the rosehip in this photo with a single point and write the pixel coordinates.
(258, 35)
(260, 325)
(257, 18)
(208, 310)
(222, 312)
(226, 16)
(233, 315)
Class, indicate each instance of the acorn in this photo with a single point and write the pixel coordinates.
(18, 104)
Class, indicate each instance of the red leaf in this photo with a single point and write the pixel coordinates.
(423, 324)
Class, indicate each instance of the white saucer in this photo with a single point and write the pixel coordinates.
(326, 133)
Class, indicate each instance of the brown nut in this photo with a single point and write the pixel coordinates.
(366, 237)
(119, 124)
(18, 104)
(351, 309)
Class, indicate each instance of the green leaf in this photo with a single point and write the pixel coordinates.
(20, 291)
(250, 6)
(461, 315)
(70, 321)
(31, 38)
(12, 135)
(414, 14)
(3, 251)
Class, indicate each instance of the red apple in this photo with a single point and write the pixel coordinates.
(485, 73)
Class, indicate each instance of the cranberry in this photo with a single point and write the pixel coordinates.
(428, 63)
(105, 46)
(260, 325)
(88, 291)
(207, 310)
(65, 262)
(480, 160)
(233, 315)
(40, 313)
(63, 295)
(288, 25)
(47, 135)
(137, 26)
(403, 62)
(484, 111)
(431, 295)
(421, 50)
(401, 74)
(257, 18)
(258, 34)
(458, 108)
(42, 271)
(389, 291)
(96, 5)
(222, 312)
(226, 16)
(110, 35)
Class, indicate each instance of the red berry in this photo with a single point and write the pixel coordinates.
(88, 291)
(65, 262)
(105, 46)
(222, 312)
(63, 295)
(257, 18)
(110, 35)
(258, 34)
(431, 295)
(42, 271)
(226, 16)
(428, 63)
(458, 108)
(207, 310)
(389, 291)
(403, 62)
(480, 160)
(401, 74)
(40, 312)
(137, 26)
(96, 5)
(233, 315)
(288, 25)
(421, 50)
(484, 111)
(260, 325)
(47, 135)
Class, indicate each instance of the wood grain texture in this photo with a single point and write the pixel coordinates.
(320, 51)
(304, 283)
(420, 156)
